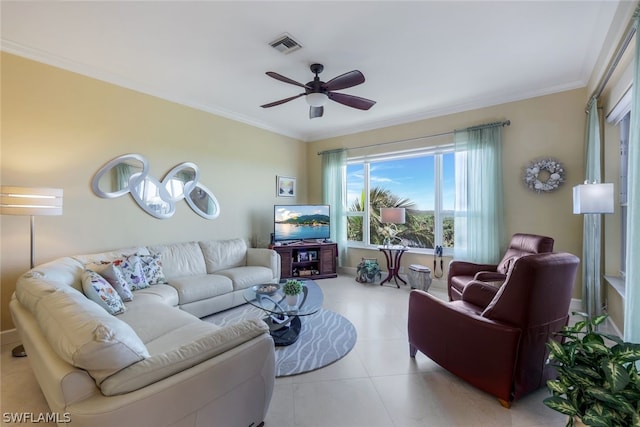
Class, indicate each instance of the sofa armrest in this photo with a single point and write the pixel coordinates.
(160, 366)
(479, 293)
(266, 258)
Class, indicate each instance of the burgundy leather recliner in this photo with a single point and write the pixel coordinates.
(462, 272)
(495, 338)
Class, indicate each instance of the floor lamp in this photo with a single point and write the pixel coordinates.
(592, 200)
(30, 201)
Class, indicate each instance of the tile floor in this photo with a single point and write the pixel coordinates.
(376, 384)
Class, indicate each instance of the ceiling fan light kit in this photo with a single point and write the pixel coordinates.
(317, 92)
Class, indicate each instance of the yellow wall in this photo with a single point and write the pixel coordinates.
(59, 128)
(547, 126)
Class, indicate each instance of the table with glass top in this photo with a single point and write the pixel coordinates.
(284, 320)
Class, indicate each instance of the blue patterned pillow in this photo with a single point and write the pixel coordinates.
(131, 269)
(97, 289)
(117, 281)
(152, 268)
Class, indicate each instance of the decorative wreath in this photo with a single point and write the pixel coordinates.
(552, 175)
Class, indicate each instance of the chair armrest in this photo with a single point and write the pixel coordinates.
(490, 276)
(479, 293)
(464, 268)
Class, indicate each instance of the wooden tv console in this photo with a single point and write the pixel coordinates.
(307, 260)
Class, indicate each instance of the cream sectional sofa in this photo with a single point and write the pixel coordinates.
(156, 363)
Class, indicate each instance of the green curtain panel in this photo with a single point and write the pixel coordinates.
(632, 298)
(334, 186)
(479, 210)
(592, 223)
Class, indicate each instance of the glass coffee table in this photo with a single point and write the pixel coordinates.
(283, 319)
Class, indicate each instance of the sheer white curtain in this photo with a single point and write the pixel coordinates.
(334, 178)
(479, 210)
(632, 282)
(592, 223)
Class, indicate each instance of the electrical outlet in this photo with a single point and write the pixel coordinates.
(401, 270)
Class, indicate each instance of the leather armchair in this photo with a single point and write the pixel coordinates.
(495, 337)
(461, 273)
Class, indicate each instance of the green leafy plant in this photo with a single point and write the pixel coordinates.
(292, 287)
(598, 380)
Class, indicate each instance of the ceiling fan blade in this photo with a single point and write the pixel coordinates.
(351, 100)
(282, 101)
(346, 80)
(315, 112)
(285, 79)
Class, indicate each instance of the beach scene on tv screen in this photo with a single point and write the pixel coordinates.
(301, 222)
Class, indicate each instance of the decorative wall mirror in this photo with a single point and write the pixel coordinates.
(129, 173)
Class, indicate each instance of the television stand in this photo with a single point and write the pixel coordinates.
(307, 260)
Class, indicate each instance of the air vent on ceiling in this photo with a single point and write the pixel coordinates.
(285, 44)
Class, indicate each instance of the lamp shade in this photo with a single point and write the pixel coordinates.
(392, 215)
(30, 201)
(316, 99)
(593, 199)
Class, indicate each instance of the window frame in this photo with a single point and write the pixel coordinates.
(366, 160)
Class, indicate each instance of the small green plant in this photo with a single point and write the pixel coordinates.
(292, 287)
(598, 380)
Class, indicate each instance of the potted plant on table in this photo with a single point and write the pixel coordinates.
(598, 380)
(292, 288)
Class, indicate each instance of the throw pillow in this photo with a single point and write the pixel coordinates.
(116, 280)
(152, 268)
(97, 289)
(131, 269)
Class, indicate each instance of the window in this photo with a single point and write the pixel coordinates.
(624, 165)
(422, 182)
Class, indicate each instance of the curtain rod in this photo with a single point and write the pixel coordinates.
(335, 150)
(631, 30)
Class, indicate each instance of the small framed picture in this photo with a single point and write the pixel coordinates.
(313, 256)
(303, 256)
(285, 186)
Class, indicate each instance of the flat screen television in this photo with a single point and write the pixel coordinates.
(300, 222)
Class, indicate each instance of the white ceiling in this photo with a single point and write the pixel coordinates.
(420, 58)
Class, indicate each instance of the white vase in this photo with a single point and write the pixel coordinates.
(292, 300)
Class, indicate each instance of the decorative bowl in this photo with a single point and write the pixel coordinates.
(266, 289)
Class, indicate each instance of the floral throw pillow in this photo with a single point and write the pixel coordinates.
(131, 269)
(97, 289)
(117, 281)
(152, 268)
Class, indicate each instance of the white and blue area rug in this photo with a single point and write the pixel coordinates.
(325, 337)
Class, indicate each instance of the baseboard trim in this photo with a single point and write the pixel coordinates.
(9, 336)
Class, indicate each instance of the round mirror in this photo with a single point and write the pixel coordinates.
(176, 180)
(202, 201)
(112, 179)
(151, 195)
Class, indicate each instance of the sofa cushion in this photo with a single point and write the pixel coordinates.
(84, 335)
(98, 290)
(152, 321)
(160, 366)
(196, 288)
(224, 254)
(180, 259)
(164, 293)
(245, 277)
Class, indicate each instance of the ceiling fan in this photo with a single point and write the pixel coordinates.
(317, 92)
